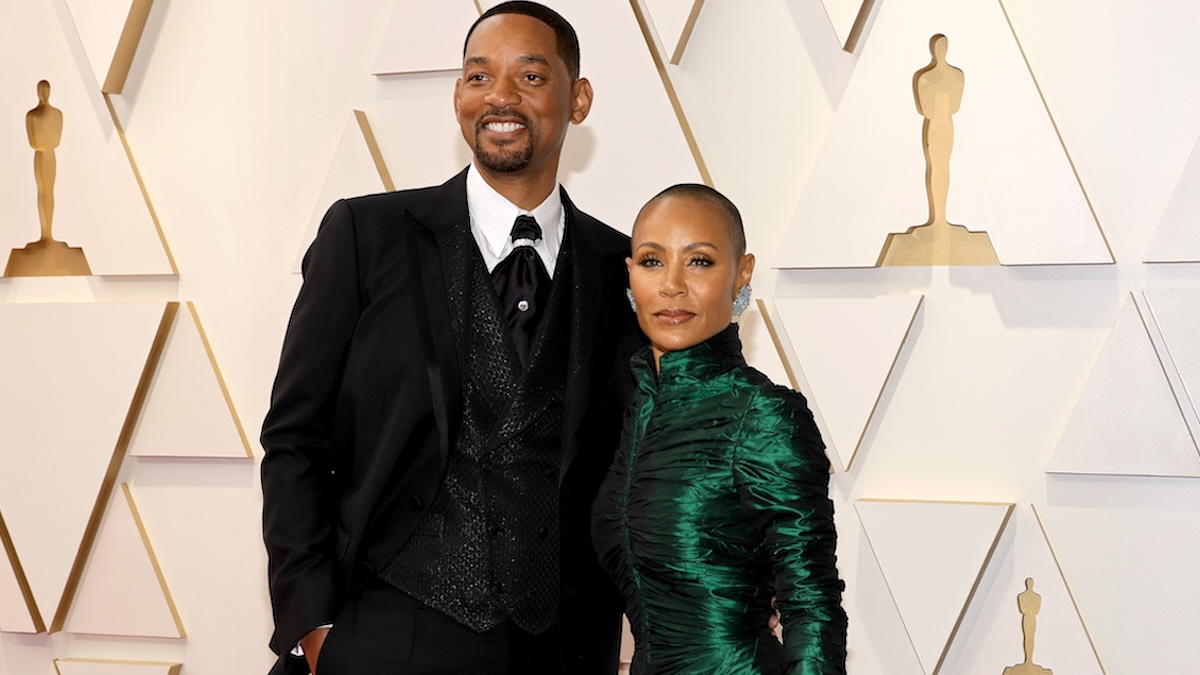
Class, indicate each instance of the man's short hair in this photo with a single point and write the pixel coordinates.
(567, 43)
(703, 193)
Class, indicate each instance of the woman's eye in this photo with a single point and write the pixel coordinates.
(650, 261)
(700, 261)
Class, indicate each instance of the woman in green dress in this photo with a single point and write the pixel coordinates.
(717, 501)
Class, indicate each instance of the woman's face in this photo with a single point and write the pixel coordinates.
(684, 273)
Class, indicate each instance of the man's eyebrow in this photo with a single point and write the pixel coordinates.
(530, 58)
(475, 60)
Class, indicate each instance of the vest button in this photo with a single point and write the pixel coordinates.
(493, 530)
(543, 532)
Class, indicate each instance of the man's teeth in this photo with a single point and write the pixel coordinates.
(504, 127)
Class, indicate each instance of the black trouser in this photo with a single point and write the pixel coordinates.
(383, 631)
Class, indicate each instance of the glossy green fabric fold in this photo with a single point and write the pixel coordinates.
(717, 501)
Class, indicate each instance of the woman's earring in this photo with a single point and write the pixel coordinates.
(632, 302)
(741, 301)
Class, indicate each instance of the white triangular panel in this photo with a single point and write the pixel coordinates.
(932, 555)
(98, 203)
(425, 36)
(353, 172)
(15, 616)
(99, 667)
(844, 15)
(995, 639)
(122, 591)
(673, 21)
(103, 25)
(1009, 173)
(1176, 312)
(613, 132)
(1177, 238)
(843, 351)
(70, 374)
(188, 412)
(1127, 420)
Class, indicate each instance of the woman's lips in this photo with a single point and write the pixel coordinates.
(673, 317)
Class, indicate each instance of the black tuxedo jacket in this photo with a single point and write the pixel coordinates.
(367, 405)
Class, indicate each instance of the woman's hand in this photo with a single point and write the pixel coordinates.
(311, 643)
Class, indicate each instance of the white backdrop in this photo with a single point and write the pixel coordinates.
(234, 110)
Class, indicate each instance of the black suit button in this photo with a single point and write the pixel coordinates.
(417, 504)
(493, 530)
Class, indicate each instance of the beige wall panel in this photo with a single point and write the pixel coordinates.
(105, 667)
(933, 556)
(123, 591)
(1009, 173)
(98, 203)
(1177, 238)
(353, 171)
(1129, 144)
(188, 412)
(1128, 420)
(1176, 315)
(631, 113)
(992, 636)
(110, 31)
(71, 372)
(842, 351)
(425, 36)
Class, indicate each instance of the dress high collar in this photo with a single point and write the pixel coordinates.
(717, 355)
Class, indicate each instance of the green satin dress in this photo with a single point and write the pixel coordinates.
(716, 502)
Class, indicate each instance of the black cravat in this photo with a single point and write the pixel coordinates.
(523, 285)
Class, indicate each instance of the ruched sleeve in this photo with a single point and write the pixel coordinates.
(782, 477)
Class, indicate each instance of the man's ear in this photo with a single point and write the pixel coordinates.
(457, 87)
(581, 100)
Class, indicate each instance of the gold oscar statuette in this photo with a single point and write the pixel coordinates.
(1030, 604)
(46, 256)
(938, 89)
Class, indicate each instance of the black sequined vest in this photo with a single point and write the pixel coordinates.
(487, 549)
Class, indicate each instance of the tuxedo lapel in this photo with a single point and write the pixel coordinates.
(594, 275)
(438, 228)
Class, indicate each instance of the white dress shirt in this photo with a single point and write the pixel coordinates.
(492, 218)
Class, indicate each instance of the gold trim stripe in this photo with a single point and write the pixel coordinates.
(648, 34)
(686, 35)
(212, 359)
(22, 581)
(114, 465)
(141, 184)
(1037, 85)
(987, 560)
(162, 580)
(1054, 557)
(131, 36)
(376, 154)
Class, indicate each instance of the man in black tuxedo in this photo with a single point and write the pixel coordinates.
(449, 397)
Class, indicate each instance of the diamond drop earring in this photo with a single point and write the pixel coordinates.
(742, 300)
(632, 302)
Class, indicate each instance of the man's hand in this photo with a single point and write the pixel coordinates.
(311, 643)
